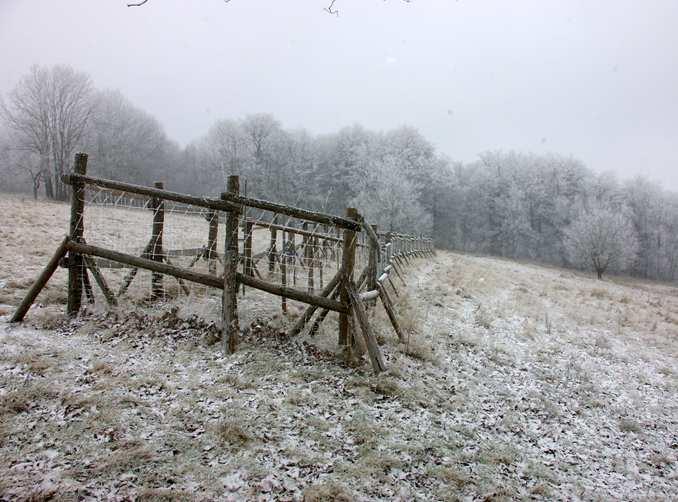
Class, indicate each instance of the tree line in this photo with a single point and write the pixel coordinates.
(549, 208)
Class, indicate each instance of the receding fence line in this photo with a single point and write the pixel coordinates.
(384, 252)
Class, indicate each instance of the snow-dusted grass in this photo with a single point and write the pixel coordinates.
(517, 381)
(35, 230)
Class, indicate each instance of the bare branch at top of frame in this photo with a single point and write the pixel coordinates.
(142, 2)
(331, 9)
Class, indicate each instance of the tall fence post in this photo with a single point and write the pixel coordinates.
(212, 241)
(231, 326)
(157, 289)
(283, 268)
(309, 257)
(76, 230)
(319, 252)
(388, 248)
(373, 262)
(249, 267)
(292, 239)
(348, 264)
(273, 249)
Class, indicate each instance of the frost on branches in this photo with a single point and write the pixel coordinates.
(602, 240)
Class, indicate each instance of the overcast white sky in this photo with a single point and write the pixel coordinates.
(594, 79)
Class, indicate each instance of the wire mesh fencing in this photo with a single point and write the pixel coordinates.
(154, 247)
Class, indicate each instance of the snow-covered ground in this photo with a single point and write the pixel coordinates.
(518, 381)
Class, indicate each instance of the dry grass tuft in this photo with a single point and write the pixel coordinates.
(232, 433)
(328, 492)
(600, 294)
(386, 386)
(34, 363)
(629, 425)
(100, 368)
(419, 348)
(483, 317)
(22, 399)
(129, 455)
(163, 494)
(450, 475)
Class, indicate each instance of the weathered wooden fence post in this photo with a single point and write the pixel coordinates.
(273, 249)
(320, 254)
(373, 263)
(348, 264)
(231, 326)
(283, 268)
(76, 230)
(212, 242)
(309, 257)
(157, 290)
(249, 268)
(292, 236)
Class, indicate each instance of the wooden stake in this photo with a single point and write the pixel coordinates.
(386, 302)
(393, 264)
(390, 281)
(157, 289)
(212, 241)
(248, 249)
(376, 358)
(40, 282)
(319, 251)
(87, 284)
(181, 282)
(75, 263)
(272, 249)
(293, 248)
(101, 282)
(309, 258)
(231, 326)
(373, 258)
(283, 271)
(347, 265)
(310, 310)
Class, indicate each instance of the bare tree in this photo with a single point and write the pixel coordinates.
(602, 240)
(125, 142)
(48, 113)
(388, 199)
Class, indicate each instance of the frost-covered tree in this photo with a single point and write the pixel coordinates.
(18, 166)
(225, 148)
(602, 240)
(125, 142)
(387, 200)
(48, 112)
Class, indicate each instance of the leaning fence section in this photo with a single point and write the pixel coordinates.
(150, 244)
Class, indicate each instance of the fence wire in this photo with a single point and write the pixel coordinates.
(272, 247)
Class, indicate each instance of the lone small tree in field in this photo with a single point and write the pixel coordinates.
(602, 240)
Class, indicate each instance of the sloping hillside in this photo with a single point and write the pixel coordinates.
(517, 381)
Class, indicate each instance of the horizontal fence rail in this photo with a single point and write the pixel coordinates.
(233, 245)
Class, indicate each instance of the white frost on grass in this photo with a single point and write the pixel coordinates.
(531, 382)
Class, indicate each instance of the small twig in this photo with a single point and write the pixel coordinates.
(330, 8)
(142, 2)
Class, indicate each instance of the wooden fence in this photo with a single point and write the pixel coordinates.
(345, 247)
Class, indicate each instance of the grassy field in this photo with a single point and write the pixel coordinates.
(517, 381)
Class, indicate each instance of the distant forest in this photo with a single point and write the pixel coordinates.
(509, 204)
